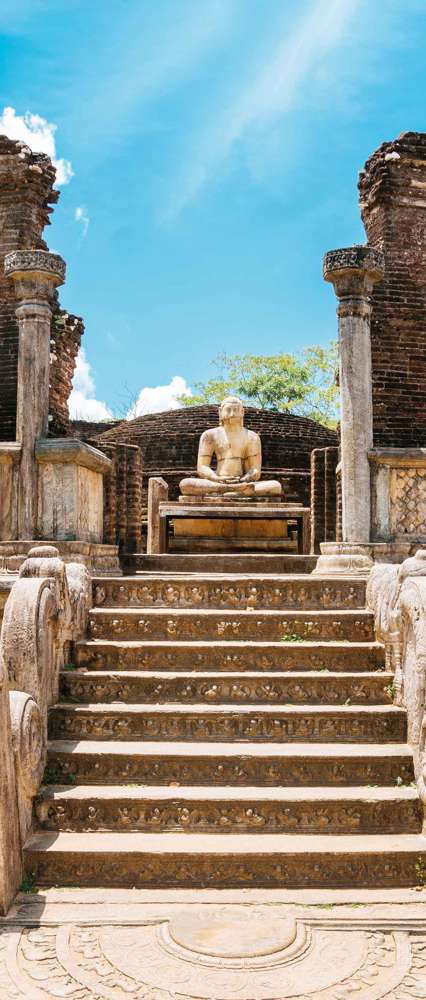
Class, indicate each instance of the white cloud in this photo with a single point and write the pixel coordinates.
(39, 135)
(268, 92)
(81, 215)
(82, 403)
(160, 397)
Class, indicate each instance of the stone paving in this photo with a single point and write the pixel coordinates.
(93, 944)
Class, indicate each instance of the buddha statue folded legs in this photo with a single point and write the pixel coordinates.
(238, 454)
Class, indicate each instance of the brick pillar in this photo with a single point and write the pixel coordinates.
(353, 272)
(35, 275)
(392, 189)
(317, 498)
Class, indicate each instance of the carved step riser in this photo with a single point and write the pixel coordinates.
(229, 593)
(300, 871)
(268, 658)
(253, 726)
(251, 626)
(117, 769)
(236, 817)
(93, 658)
(278, 690)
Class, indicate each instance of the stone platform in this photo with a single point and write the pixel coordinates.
(99, 558)
(239, 525)
(214, 945)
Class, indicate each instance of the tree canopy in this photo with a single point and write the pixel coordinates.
(303, 383)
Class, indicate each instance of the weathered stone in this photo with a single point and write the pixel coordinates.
(353, 272)
(70, 490)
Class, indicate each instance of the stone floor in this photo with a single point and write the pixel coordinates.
(215, 945)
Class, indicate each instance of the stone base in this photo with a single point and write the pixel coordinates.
(100, 559)
(234, 943)
(357, 559)
(228, 499)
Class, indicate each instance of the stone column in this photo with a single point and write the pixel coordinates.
(35, 275)
(353, 272)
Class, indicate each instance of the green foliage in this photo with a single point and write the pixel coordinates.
(304, 384)
(28, 883)
(421, 872)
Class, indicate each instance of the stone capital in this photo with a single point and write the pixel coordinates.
(35, 275)
(353, 271)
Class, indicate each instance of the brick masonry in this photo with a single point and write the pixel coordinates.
(169, 444)
(26, 199)
(392, 189)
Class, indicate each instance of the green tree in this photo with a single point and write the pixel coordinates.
(305, 384)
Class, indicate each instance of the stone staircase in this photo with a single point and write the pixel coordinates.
(228, 729)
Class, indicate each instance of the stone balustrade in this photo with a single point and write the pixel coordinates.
(397, 595)
(45, 611)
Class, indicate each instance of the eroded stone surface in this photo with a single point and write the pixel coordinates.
(212, 952)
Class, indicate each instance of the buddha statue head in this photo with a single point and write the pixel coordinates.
(231, 411)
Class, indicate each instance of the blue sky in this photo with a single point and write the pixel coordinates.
(214, 148)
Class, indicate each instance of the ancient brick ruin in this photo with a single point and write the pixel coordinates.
(392, 189)
(26, 199)
(263, 709)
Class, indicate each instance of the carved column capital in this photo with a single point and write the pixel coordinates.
(353, 271)
(35, 275)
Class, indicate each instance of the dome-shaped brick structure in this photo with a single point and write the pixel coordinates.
(169, 444)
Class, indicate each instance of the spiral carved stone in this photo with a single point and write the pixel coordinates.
(35, 260)
(28, 740)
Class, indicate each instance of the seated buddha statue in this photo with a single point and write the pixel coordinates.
(238, 454)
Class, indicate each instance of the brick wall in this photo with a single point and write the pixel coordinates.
(323, 496)
(66, 333)
(169, 440)
(123, 508)
(26, 196)
(392, 190)
(169, 445)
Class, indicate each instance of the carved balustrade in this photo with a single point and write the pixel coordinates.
(45, 612)
(397, 595)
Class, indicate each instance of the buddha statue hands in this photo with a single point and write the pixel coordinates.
(238, 454)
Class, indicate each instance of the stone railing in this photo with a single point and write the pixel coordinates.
(397, 595)
(45, 612)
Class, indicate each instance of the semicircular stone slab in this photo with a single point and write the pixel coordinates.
(267, 969)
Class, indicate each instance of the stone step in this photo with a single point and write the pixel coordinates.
(133, 687)
(155, 623)
(235, 592)
(150, 860)
(102, 654)
(230, 810)
(325, 723)
(238, 764)
(263, 563)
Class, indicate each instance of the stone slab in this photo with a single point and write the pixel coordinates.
(181, 624)
(144, 859)
(99, 558)
(229, 764)
(226, 945)
(320, 723)
(239, 591)
(255, 687)
(233, 810)
(248, 562)
(118, 654)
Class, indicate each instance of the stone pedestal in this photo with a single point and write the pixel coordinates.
(70, 490)
(399, 494)
(35, 275)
